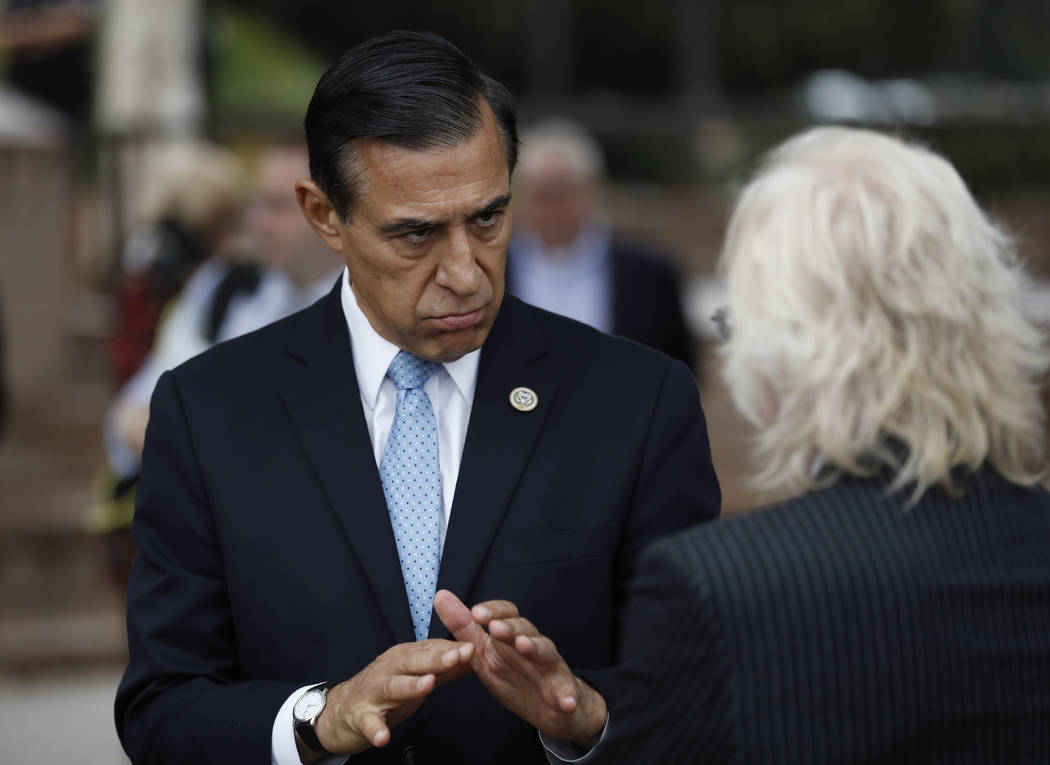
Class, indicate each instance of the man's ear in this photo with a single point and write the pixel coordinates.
(319, 213)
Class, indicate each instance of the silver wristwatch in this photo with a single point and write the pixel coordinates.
(305, 713)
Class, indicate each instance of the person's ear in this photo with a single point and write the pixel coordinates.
(319, 213)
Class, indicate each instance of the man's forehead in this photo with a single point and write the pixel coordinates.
(380, 158)
(439, 209)
(404, 182)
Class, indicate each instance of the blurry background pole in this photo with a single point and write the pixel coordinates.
(151, 99)
(549, 45)
(696, 37)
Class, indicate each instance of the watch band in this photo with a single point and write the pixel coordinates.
(309, 736)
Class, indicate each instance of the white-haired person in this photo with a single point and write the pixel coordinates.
(897, 608)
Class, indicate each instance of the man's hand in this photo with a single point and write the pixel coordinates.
(130, 421)
(523, 670)
(360, 712)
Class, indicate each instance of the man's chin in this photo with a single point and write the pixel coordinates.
(452, 346)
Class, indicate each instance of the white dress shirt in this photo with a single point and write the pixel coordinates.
(451, 393)
(180, 336)
(450, 389)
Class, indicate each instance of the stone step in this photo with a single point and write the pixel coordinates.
(58, 605)
(91, 634)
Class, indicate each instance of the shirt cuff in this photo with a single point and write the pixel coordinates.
(283, 750)
(559, 751)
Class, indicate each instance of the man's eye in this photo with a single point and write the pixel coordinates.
(417, 237)
(488, 219)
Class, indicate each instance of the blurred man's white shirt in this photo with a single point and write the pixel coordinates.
(181, 337)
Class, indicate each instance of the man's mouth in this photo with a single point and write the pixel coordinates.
(454, 321)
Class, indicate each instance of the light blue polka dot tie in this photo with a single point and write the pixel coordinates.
(411, 476)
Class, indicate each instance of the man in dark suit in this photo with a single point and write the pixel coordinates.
(565, 258)
(301, 483)
(897, 609)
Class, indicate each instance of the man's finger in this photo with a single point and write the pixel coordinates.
(401, 688)
(429, 656)
(485, 612)
(567, 702)
(461, 654)
(507, 629)
(455, 673)
(374, 728)
(540, 650)
(456, 616)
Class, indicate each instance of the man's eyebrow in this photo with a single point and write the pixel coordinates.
(406, 225)
(496, 204)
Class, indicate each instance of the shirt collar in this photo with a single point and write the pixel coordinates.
(373, 353)
(589, 250)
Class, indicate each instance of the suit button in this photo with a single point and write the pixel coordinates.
(408, 757)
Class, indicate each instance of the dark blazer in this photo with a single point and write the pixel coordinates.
(840, 628)
(266, 557)
(647, 301)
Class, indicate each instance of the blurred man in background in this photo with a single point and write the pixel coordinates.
(898, 609)
(296, 267)
(564, 258)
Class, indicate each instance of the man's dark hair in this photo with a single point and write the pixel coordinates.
(415, 90)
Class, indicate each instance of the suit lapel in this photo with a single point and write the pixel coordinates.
(498, 444)
(324, 403)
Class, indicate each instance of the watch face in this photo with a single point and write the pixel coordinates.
(308, 705)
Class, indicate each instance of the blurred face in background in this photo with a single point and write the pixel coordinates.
(279, 237)
(277, 228)
(551, 199)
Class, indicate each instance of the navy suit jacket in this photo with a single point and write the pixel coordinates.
(266, 557)
(646, 301)
(840, 628)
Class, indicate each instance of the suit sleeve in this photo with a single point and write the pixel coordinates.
(181, 699)
(676, 488)
(674, 691)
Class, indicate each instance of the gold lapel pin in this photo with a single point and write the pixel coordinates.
(524, 399)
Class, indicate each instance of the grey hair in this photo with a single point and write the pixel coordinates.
(878, 319)
(566, 140)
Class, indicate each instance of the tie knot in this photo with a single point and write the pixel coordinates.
(408, 371)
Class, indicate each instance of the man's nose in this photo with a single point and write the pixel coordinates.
(458, 270)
